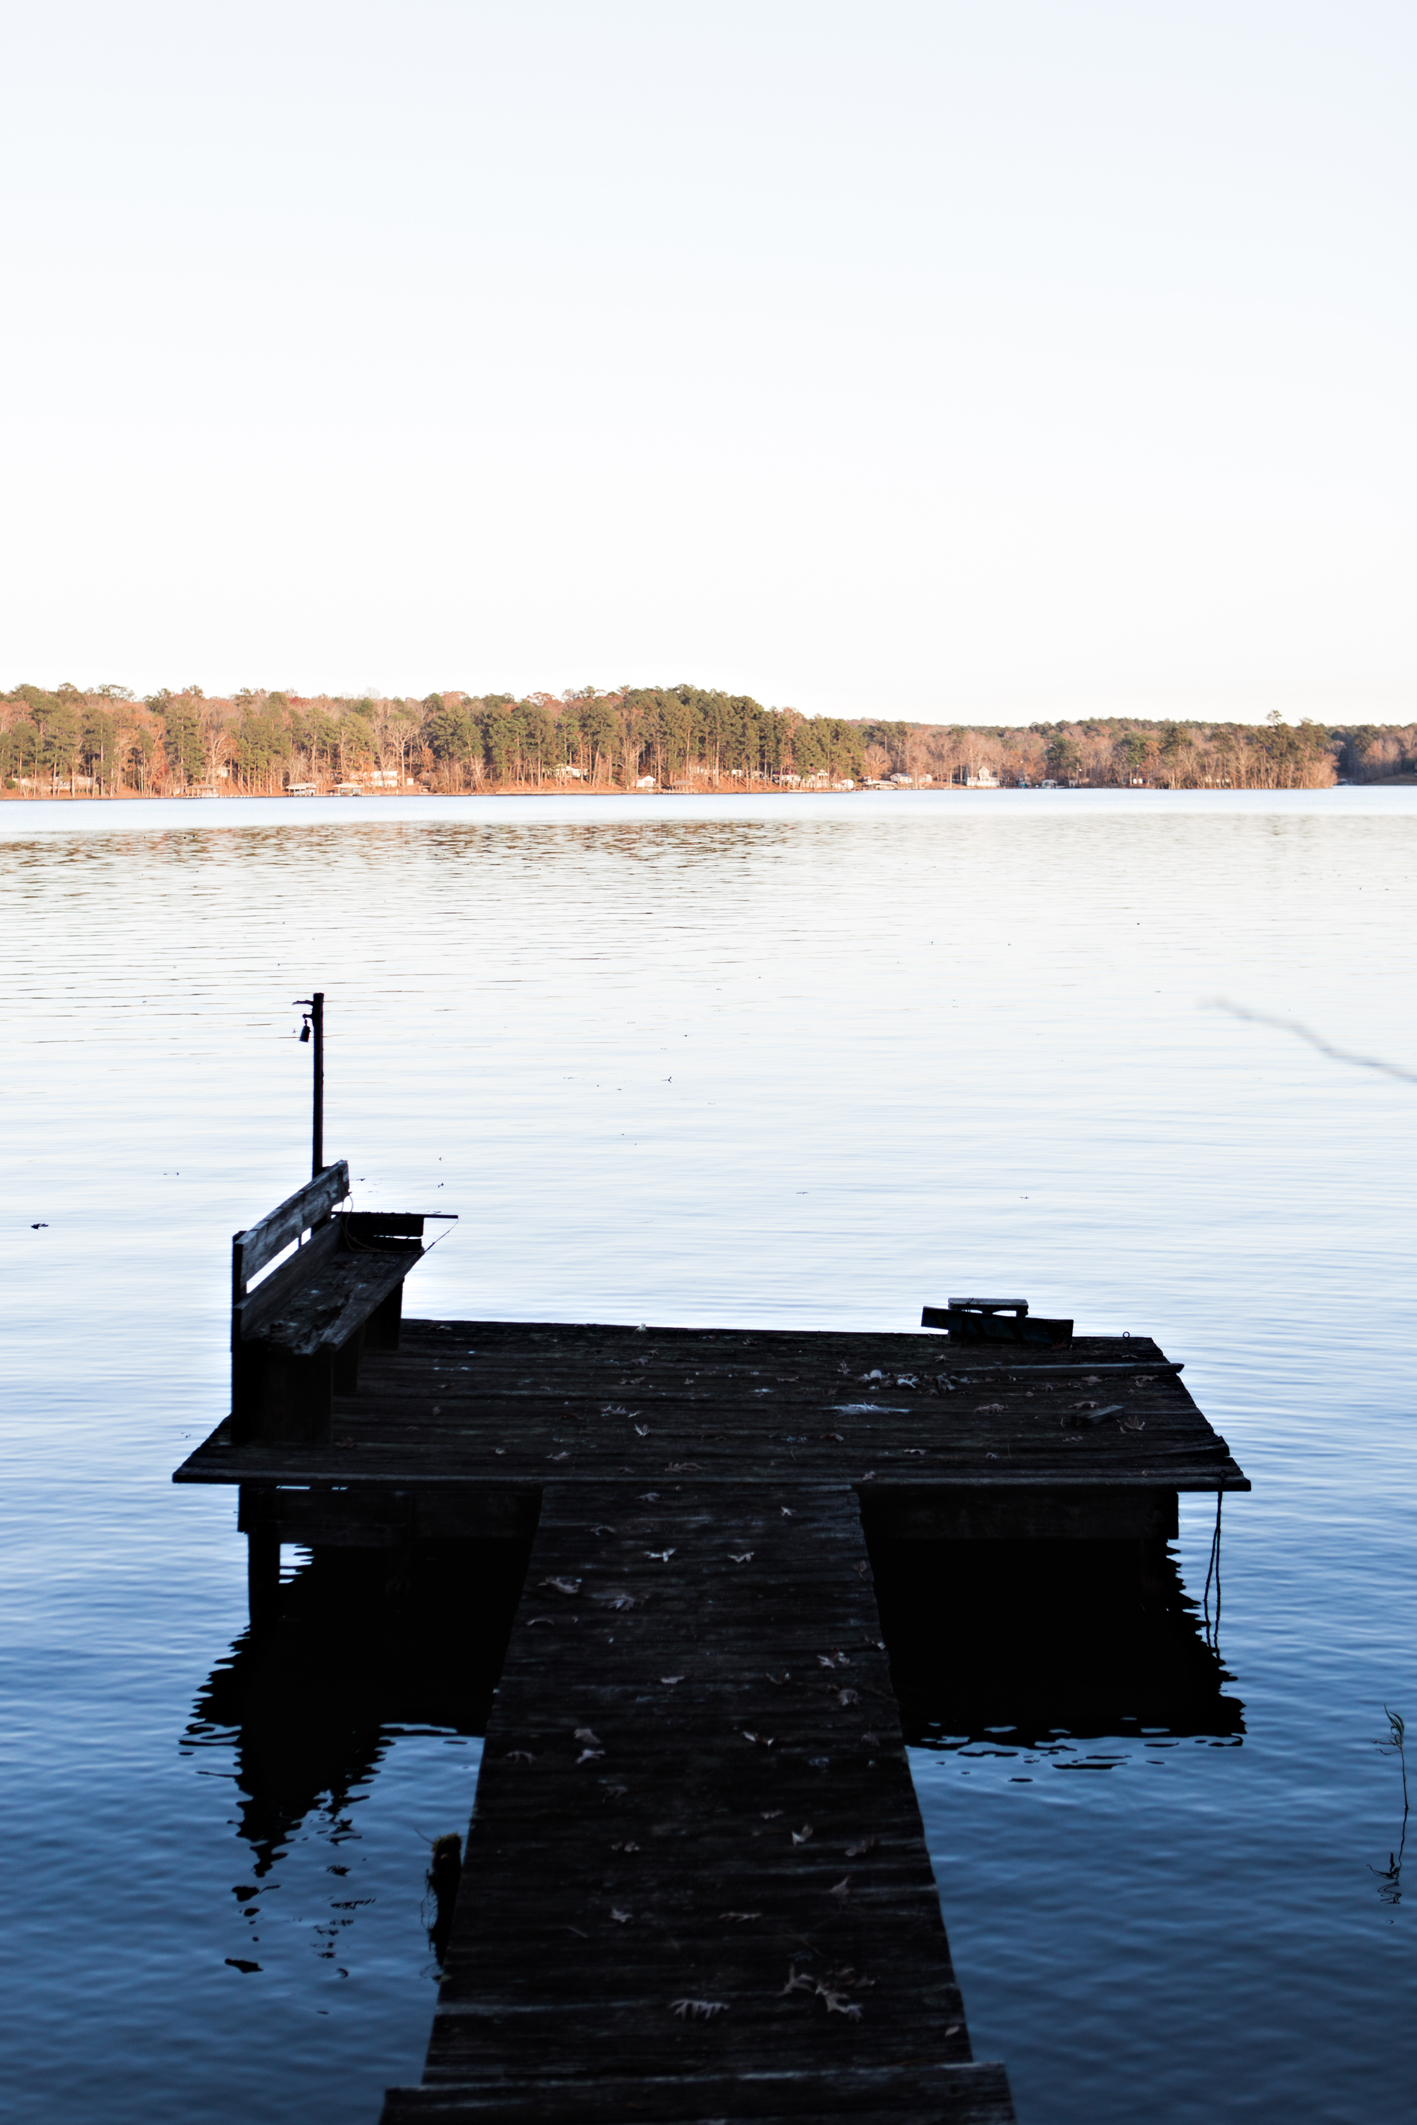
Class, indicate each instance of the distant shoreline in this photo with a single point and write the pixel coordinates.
(668, 741)
(88, 799)
(756, 790)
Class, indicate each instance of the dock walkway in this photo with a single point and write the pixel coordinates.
(696, 1883)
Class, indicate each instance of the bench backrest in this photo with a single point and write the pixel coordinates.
(306, 1210)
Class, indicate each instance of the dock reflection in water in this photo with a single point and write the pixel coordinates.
(367, 1642)
(1016, 1642)
(1020, 1641)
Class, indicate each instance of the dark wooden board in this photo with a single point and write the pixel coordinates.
(781, 1719)
(261, 1242)
(521, 1403)
(985, 1327)
(973, 2094)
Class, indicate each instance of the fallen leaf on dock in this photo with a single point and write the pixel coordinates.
(764, 1741)
(800, 1837)
(785, 1676)
(954, 2029)
(740, 1917)
(670, 1680)
(846, 1697)
(683, 1468)
(589, 1756)
(838, 2003)
(698, 2010)
(520, 1756)
(532, 1621)
(867, 1844)
(561, 1586)
(616, 1792)
(559, 1457)
(745, 1558)
(626, 1844)
(619, 1601)
(989, 1409)
(649, 1497)
(1134, 1423)
(842, 1889)
(872, 1741)
(602, 1530)
(621, 1918)
(787, 1513)
(798, 1980)
(659, 1556)
(642, 1430)
(591, 1738)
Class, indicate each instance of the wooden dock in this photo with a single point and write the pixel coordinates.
(696, 1883)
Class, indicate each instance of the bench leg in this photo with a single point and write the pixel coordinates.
(382, 1328)
(346, 1368)
(284, 1399)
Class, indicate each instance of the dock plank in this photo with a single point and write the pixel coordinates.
(741, 1835)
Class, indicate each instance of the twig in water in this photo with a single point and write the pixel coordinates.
(1315, 1040)
(1395, 1739)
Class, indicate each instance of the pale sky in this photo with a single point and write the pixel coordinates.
(1004, 359)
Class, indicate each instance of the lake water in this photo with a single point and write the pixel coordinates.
(787, 1062)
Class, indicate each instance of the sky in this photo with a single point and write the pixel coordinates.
(986, 358)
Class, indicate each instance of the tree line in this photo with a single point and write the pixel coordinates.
(1118, 751)
(104, 741)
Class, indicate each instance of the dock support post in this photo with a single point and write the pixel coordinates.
(257, 1521)
(262, 1575)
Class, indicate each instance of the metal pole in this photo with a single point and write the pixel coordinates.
(317, 1152)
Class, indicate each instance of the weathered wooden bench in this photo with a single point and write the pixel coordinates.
(297, 1335)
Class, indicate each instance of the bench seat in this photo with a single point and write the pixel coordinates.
(341, 1295)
